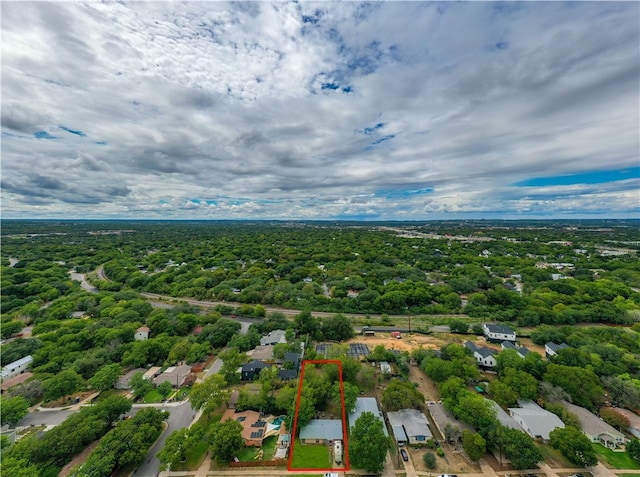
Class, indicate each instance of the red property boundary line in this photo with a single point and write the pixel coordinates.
(344, 418)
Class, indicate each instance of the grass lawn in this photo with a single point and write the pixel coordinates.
(152, 397)
(615, 460)
(196, 453)
(555, 459)
(248, 454)
(310, 456)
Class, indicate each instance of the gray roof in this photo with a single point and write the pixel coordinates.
(442, 417)
(504, 418)
(537, 422)
(414, 422)
(367, 404)
(470, 345)
(329, 429)
(522, 351)
(275, 336)
(399, 434)
(556, 347)
(493, 328)
(508, 344)
(255, 365)
(20, 362)
(590, 423)
(485, 352)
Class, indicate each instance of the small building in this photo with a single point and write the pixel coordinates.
(367, 404)
(287, 374)
(262, 353)
(409, 425)
(385, 367)
(142, 333)
(176, 375)
(534, 420)
(321, 431)
(368, 332)
(396, 334)
(498, 333)
(251, 371)
(504, 418)
(595, 428)
(17, 367)
(634, 421)
(273, 338)
(294, 360)
(485, 357)
(551, 349)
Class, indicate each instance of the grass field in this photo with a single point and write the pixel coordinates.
(615, 460)
(248, 454)
(310, 456)
(152, 396)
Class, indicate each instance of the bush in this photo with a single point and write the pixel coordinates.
(440, 452)
(430, 460)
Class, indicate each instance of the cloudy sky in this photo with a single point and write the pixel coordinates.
(305, 110)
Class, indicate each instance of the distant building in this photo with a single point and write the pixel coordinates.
(551, 349)
(595, 428)
(17, 367)
(273, 338)
(484, 356)
(498, 333)
(123, 381)
(251, 371)
(522, 351)
(142, 333)
(262, 353)
(175, 375)
(534, 420)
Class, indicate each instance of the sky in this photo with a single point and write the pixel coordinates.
(318, 110)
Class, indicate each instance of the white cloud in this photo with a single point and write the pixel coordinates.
(260, 109)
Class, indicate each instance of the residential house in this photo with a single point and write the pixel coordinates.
(498, 333)
(251, 371)
(17, 367)
(534, 420)
(287, 374)
(142, 333)
(367, 404)
(595, 428)
(504, 418)
(262, 353)
(443, 419)
(254, 426)
(409, 425)
(123, 381)
(292, 361)
(634, 421)
(176, 375)
(273, 338)
(321, 431)
(551, 349)
(484, 356)
(522, 351)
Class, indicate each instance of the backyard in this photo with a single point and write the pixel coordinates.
(249, 454)
(310, 456)
(615, 460)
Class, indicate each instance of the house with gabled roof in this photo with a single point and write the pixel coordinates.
(367, 404)
(251, 371)
(534, 420)
(321, 431)
(521, 350)
(273, 338)
(551, 349)
(409, 425)
(486, 357)
(595, 428)
(498, 333)
(254, 426)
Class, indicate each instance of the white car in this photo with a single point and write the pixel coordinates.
(331, 474)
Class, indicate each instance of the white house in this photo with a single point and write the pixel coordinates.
(15, 368)
(498, 333)
(551, 349)
(534, 420)
(595, 428)
(142, 333)
(484, 356)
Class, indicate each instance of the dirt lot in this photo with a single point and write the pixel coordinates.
(407, 343)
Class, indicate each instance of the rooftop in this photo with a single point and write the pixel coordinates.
(367, 404)
(414, 422)
(329, 429)
(590, 423)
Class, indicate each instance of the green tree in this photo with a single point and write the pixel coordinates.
(62, 384)
(13, 409)
(520, 449)
(580, 383)
(502, 393)
(10, 328)
(351, 392)
(140, 385)
(614, 418)
(458, 326)
(633, 448)
(209, 394)
(574, 445)
(164, 389)
(474, 445)
(429, 460)
(368, 445)
(232, 359)
(226, 440)
(337, 328)
(106, 377)
(401, 395)
(305, 323)
(175, 448)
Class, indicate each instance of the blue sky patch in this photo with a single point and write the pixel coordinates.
(369, 131)
(383, 139)
(593, 177)
(331, 85)
(73, 131)
(402, 193)
(43, 135)
(101, 143)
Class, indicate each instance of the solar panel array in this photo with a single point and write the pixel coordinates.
(257, 434)
(358, 349)
(323, 348)
(259, 424)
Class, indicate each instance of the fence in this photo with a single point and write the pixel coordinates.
(261, 463)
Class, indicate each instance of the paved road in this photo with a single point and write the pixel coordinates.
(45, 418)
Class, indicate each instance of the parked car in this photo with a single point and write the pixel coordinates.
(447, 475)
(405, 456)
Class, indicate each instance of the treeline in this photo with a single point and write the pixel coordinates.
(34, 456)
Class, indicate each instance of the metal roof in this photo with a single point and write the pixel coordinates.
(367, 404)
(329, 429)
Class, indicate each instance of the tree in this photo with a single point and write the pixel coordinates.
(458, 326)
(351, 393)
(139, 385)
(574, 445)
(502, 393)
(209, 394)
(429, 460)
(305, 323)
(226, 440)
(474, 445)
(164, 389)
(368, 445)
(401, 395)
(633, 448)
(520, 449)
(175, 448)
(614, 418)
(13, 409)
(337, 328)
(62, 384)
(231, 361)
(10, 328)
(580, 383)
(219, 334)
(106, 377)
